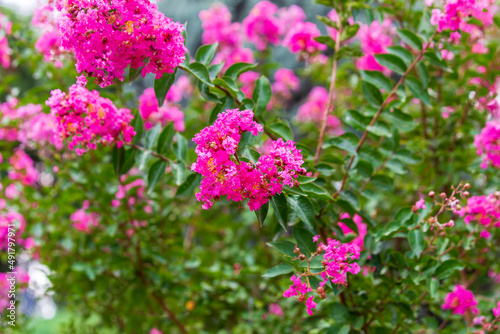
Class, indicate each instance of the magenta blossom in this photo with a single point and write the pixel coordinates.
(460, 301)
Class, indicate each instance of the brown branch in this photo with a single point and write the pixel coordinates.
(379, 112)
(331, 98)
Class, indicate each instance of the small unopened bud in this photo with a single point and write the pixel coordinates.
(322, 296)
(467, 186)
(414, 209)
(496, 327)
(296, 250)
(320, 290)
(302, 298)
(431, 193)
(497, 193)
(459, 207)
(324, 263)
(302, 257)
(453, 198)
(451, 223)
(466, 194)
(319, 249)
(442, 195)
(432, 220)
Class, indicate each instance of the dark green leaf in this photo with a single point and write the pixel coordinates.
(410, 38)
(165, 139)
(236, 69)
(380, 128)
(155, 173)
(304, 209)
(261, 95)
(372, 94)
(447, 268)
(284, 247)
(281, 129)
(316, 191)
(392, 62)
(423, 74)
(417, 89)
(181, 147)
(280, 269)
(347, 142)
(152, 136)
(383, 182)
(138, 125)
(133, 73)
(304, 240)
(280, 207)
(348, 51)
(261, 213)
(187, 188)
(377, 79)
(416, 241)
(200, 71)
(162, 86)
(349, 32)
(206, 53)
(402, 53)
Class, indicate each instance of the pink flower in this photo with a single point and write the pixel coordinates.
(88, 119)
(217, 27)
(487, 144)
(420, 204)
(310, 305)
(276, 310)
(225, 175)
(496, 310)
(155, 331)
(262, 26)
(454, 14)
(297, 288)
(314, 108)
(290, 16)
(362, 229)
(168, 112)
(9, 219)
(84, 221)
(460, 301)
(300, 39)
(106, 37)
(23, 169)
(374, 39)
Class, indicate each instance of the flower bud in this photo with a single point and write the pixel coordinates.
(320, 290)
(466, 194)
(302, 257)
(319, 249)
(442, 195)
(324, 263)
(414, 209)
(467, 186)
(302, 298)
(432, 220)
(431, 193)
(296, 250)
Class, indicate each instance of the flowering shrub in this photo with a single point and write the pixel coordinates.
(336, 173)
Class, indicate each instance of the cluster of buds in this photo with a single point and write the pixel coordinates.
(336, 262)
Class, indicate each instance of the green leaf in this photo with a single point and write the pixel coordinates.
(372, 94)
(423, 74)
(280, 269)
(152, 136)
(261, 213)
(392, 62)
(180, 149)
(348, 51)
(261, 95)
(316, 191)
(402, 53)
(294, 190)
(179, 171)
(380, 128)
(304, 240)
(128, 161)
(165, 139)
(432, 58)
(280, 207)
(327, 40)
(432, 287)
(162, 86)
(410, 38)
(155, 173)
(349, 32)
(407, 156)
(187, 188)
(339, 329)
(403, 122)
(236, 69)
(215, 69)
(200, 72)
(118, 158)
(383, 182)
(416, 241)
(447, 268)
(417, 89)
(284, 247)
(306, 179)
(377, 79)
(281, 129)
(304, 210)
(206, 53)
(138, 125)
(133, 73)
(327, 21)
(351, 199)
(351, 225)
(347, 142)
(355, 119)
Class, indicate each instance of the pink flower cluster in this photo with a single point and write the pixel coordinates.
(362, 229)
(225, 175)
(262, 26)
(484, 210)
(132, 192)
(285, 82)
(88, 119)
(460, 301)
(169, 112)
(488, 144)
(84, 221)
(5, 29)
(49, 43)
(107, 36)
(337, 261)
(314, 108)
(23, 169)
(13, 218)
(374, 38)
(453, 16)
(300, 39)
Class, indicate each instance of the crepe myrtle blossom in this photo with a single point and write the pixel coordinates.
(5, 29)
(87, 119)
(313, 109)
(484, 210)
(300, 40)
(496, 310)
(488, 145)
(262, 26)
(337, 260)
(225, 175)
(23, 169)
(107, 36)
(455, 13)
(168, 112)
(84, 221)
(374, 39)
(460, 300)
(290, 16)
(362, 229)
(49, 43)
